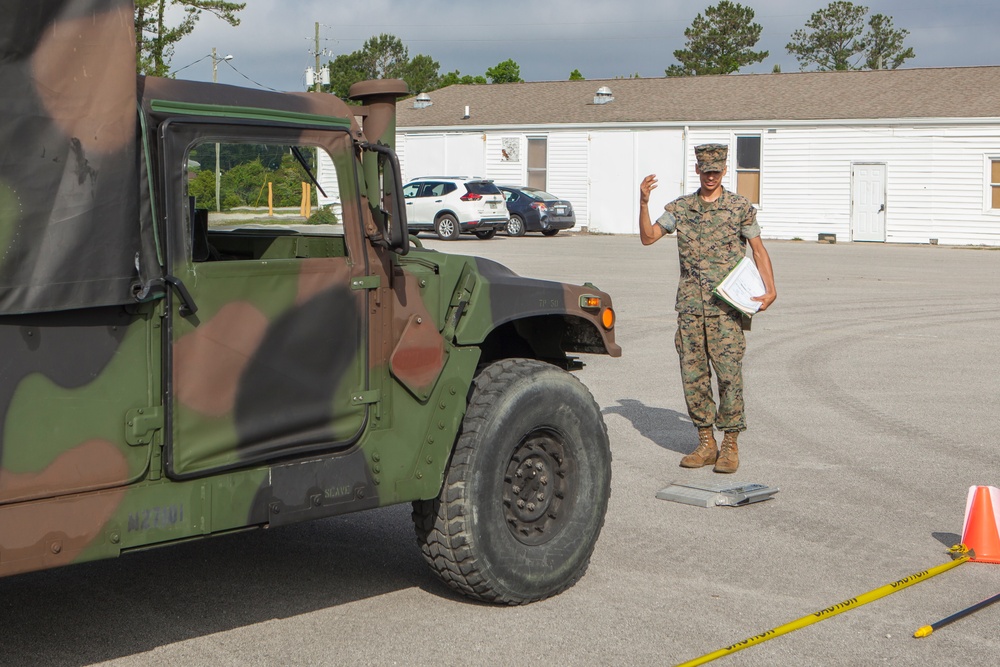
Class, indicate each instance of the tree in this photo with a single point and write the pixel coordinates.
(155, 40)
(839, 40)
(885, 44)
(720, 42)
(576, 76)
(345, 71)
(382, 57)
(505, 72)
(421, 74)
(456, 77)
(837, 36)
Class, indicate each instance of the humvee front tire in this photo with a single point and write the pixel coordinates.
(525, 495)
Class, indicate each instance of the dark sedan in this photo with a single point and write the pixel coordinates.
(534, 210)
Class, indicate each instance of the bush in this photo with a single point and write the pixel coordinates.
(323, 216)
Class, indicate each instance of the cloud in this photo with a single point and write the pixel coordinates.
(603, 39)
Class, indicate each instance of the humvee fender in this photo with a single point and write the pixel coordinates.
(167, 376)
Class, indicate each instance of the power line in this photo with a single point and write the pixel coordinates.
(256, 83)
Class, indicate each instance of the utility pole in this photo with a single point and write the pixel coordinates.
(218, 176)
(319, 83)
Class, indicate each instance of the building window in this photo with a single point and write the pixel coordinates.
(995, 183)
(537, 161)
(748, 167)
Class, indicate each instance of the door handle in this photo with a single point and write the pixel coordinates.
(881, 208)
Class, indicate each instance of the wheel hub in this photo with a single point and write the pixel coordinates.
(535, 487)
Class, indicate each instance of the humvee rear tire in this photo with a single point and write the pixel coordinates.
(527, 488)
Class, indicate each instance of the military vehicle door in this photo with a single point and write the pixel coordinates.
(267, 322)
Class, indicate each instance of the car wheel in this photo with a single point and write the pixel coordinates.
(486, 234)
(549, 232)
(515, 226)
(527, 488)
(446, 227)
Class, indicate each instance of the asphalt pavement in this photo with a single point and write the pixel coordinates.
(872, 402)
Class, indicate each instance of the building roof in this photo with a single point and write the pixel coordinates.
(957, 92)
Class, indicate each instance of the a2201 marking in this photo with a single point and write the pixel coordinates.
(155, 517)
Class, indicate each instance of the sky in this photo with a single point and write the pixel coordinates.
(604, 39)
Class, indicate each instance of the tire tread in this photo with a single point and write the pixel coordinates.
(441, 527)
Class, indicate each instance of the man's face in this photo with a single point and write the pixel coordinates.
(710, 179)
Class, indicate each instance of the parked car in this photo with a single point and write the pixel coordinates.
(453, 205)
(534, 210)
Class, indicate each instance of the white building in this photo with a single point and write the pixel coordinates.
(905, 156)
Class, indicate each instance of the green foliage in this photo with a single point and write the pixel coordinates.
(155, 39)
(835, 38)
(250, 168)
(885, 44)
(720, 42)
(244, 181)
(576, 76)
(421, 73)
(345, 71)
(382, 57)
(453, 78)
(505, 72)
(202, 188)
(323, 216)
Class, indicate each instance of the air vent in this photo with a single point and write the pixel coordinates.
(422, 102)
(603, 95)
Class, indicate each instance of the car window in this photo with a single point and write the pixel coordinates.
(436, 189)
(510, 195)
(482, 188)
(540, 194)
(448, 187)
(410, 191)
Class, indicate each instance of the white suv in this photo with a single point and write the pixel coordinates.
(453, 205)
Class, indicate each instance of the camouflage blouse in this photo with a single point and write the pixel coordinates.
(711, 239)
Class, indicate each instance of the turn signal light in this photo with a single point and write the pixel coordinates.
(590, 302)
(608, 318)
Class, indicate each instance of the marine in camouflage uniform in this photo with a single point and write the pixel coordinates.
(713, 229)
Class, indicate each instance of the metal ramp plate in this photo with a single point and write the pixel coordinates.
(728, 494)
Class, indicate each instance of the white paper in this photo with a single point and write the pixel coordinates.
(740, 285)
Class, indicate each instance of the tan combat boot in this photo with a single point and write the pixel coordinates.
(705, 454)
(729, 456)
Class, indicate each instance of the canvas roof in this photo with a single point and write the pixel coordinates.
(947, 93)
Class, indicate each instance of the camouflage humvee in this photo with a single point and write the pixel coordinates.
(162, 380)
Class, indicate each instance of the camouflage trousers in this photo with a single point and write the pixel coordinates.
(704, 343)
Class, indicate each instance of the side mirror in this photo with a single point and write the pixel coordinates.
(390, 195)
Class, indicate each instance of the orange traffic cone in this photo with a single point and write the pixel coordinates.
(981, 531)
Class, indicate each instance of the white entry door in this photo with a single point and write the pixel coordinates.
(868, 202)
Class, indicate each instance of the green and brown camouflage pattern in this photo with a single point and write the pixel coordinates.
(711, 240)
(320, 374)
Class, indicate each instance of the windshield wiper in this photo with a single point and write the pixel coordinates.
(298, 156)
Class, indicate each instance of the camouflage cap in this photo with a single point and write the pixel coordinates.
(711, 157)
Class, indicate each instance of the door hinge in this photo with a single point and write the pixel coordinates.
(365, 397)
(141, 423)
(366, 282)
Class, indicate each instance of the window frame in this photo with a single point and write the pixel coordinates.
(991, 183)
(758, 170)
(535, 170)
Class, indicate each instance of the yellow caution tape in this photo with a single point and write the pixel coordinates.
(838, 608)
